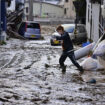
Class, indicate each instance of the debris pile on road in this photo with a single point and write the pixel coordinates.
(91, 64)
(13, 20)
(100, 53)
(97, 61)
(100, 50)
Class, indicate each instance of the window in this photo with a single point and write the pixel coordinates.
(69, 29)
(88, 12)
(26, 9)
(81, 29)
(65, 11)
(66, 0)
(33, 25)
(73, 8)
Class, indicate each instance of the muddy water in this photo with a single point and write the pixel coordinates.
(30, 75)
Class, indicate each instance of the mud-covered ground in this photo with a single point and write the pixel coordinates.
(30, 75)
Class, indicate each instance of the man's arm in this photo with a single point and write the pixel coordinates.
(62, 37)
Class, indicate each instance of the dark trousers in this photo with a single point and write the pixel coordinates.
(72, 58)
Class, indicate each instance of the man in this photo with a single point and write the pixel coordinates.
(67, 49)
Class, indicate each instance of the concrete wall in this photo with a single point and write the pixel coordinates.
(48, 10)
(88, 19)
(92, 15)
(95, 22)
(70, 9)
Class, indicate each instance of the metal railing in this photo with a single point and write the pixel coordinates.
(101, 29)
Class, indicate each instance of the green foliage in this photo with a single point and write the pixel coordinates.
(3, 43)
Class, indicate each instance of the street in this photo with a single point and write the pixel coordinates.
(30, 75)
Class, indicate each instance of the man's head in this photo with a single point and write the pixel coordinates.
(60, 30)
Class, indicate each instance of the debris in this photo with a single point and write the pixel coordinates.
(92, 81)
(47, 65)
(91, 64)
(82, 52)
(14, 34)
(13, 20)
(100, 50)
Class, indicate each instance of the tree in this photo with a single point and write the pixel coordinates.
(80, 7)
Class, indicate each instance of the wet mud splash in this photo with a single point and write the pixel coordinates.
(30, 75)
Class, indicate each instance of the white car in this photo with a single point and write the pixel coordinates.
(80, 37)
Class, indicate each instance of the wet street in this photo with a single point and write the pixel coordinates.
(30, 75)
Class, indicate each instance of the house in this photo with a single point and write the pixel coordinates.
(61, 2)
(42, 9)
(69, 9)
(94, 21)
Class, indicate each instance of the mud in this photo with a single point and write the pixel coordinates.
(30, 75)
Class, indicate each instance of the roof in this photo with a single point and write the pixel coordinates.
(46, 3)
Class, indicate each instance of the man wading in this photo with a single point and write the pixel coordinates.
(67, 49)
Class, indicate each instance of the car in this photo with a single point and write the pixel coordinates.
(77, 36)
(30, 30)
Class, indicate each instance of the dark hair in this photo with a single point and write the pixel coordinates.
(59, 28)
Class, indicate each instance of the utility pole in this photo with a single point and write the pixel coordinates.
(30, 10)
(40, 8)
(3, 23)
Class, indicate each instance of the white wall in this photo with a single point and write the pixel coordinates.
(95, 21)
(103, 10)
(88, 18)
(52, 10)
(70, 10)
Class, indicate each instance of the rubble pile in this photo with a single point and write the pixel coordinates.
(13, 20)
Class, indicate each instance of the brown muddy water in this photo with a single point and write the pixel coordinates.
(30, 75)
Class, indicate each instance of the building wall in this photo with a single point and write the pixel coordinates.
(95, 23)
(88, 19)
(69, 9)
(103, 9)
(48, 10)
(92, 15)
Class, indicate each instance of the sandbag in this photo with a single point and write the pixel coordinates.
(82, 52)
(101, 61)
(100, 50)
(91, 64)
